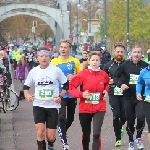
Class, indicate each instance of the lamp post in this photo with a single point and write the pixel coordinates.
(105, 22)
(90, 17)
(78, 5)
(127, 25)
(68, 10)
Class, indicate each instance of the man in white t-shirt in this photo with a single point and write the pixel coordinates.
(46, 99)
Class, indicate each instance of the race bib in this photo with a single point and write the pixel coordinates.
(95, 98)
(118, 91)
(147, 99)
(133, 79)
(46, 94)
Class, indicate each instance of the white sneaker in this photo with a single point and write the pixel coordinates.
(66, 147)
(139, 143)
(131, 146)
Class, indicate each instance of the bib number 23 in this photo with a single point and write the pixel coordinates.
(46, 93)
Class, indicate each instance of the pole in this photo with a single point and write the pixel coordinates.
(90, 17)
(127, 21)
(105, 22)
(77, 28)
(70, 18)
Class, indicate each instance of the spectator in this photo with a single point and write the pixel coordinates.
(148, 54)
(85, 47)
(74, 48)
(106, 57)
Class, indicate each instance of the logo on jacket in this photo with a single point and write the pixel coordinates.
(69, 66)
(45, 81)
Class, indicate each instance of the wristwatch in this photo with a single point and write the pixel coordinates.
(60, 97)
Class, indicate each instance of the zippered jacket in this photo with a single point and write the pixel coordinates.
(130, 72)
(94, 82)
(110, 68)
(144, 79)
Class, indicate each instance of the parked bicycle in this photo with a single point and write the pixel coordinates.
(6, 96)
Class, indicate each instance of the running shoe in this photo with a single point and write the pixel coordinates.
(139, 143)
(50, 148)
(118, 143)
(131, 146)
(66, 147)
(122, 133)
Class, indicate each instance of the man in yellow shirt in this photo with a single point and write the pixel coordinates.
(69, 66)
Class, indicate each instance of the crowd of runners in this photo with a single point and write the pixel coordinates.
(60, 79)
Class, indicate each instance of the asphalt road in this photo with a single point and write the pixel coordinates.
(17, 131)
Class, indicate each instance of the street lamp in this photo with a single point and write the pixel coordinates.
(127, 24)
(105, 22)
(89, 10)
(78, 5)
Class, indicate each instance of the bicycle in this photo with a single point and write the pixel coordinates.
(6, 93)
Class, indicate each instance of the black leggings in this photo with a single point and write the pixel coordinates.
(134, 109)
(65, 121)
(146, 107)
(119, 117)
(85, 121)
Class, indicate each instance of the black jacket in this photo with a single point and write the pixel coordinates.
(110, 68)
(6, 63)
(125, 69)
(106, 57)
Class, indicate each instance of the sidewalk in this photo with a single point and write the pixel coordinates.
(7, 132)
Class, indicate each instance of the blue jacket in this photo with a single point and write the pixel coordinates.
(144, 79)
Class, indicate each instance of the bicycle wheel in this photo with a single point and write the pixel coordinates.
(4, 105)
(12, 99)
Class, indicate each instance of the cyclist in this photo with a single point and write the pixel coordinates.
(47, 97)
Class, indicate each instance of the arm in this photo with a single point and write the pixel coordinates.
(105, 68)
(26, 87)
(119, 72)
(76, 81)
(139, 84)
(106, 86)
(63, 79)
(77, 66)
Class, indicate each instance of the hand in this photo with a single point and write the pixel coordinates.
(57, 99)
(139, 97)
(105, 93)
(69, 77)
(86, 94)
(29, 97)
(124, 87)
(111, 81)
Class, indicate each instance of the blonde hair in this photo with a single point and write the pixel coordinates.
(66, 41)
(85, 64)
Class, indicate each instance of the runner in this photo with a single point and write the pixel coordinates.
(144, 80)
(47, 97)
(94, 83)
(130, 70)
(70, 66)
(116, 94)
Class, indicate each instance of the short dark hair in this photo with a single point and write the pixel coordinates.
(42, 48)
(119, 44)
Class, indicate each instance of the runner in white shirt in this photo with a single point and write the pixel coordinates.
(47, 98)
